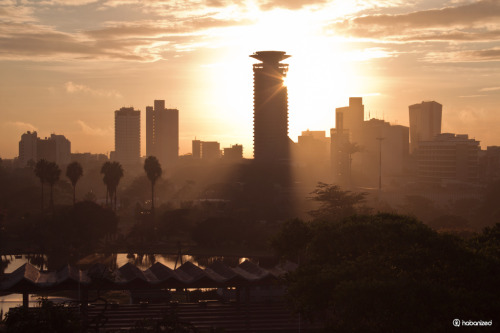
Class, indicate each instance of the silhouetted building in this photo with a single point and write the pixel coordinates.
(352, 117)
(448, 158)
(271, 141)
(28, 148)
(162, 133)
(56, 149)
(356, 146)
(394, 146)
(489, 164)
(89, 159)
(127, 136)
(206, 150)
(233, 153)
(313, 147)
(63, 149)
(340, 157)
(425, 122)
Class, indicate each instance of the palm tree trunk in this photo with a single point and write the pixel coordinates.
(107, 193)
(42, 199)
(152, 198)
(74, 194)
(51, 197)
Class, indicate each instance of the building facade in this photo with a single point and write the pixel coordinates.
(448, 158)
(352, 118)
(425, 122)
(233, 153)
(55, 148)
(206, 150)
(28, 148)
(127, 136)
(162, 133)
(271, 141)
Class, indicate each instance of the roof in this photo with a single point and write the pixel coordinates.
(28, 278)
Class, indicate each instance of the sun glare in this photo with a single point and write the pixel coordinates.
(321, 75)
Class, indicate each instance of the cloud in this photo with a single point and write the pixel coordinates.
(61, 2)
(471, 96)
(22, 125)
(73, 88)
(405, 25)
(86, 129)
(36, 42)
(289, 4)
(464, 56)
(16, 14)
(490, 89)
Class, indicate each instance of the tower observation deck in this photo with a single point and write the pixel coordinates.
(271, 142)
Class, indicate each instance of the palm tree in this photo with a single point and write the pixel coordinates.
(74, 172)
(52, 176)
(113, 172)
(41, 172)
(153, 171)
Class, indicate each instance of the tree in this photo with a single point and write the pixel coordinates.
(41, 172)
(74, 172)
(336, 204)
(390, 273)
(113, 172)
(153, 171)
(52, 176)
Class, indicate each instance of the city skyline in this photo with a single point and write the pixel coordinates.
(66, 66)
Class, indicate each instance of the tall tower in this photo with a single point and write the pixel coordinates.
(425, 122)
(128, 136)
(162, 133)
(270, 128)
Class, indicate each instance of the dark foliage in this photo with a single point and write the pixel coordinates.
(47, 318)
(391, 273)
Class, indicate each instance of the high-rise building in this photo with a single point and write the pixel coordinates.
(56, 148)
(63, 149)
(162, 133)
(28, 148)
(271, 141)
(425, 122)
(127, 136)
(352, 117)
(340, 156)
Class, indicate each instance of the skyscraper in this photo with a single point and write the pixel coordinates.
(28, 148)
(425, 122)
(271, 142)
(352, 117)
(162, 133)
(127, 136)
(56, 149)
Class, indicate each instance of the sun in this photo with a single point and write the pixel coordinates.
(321, 75)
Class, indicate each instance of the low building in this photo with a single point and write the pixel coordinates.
(448, 158)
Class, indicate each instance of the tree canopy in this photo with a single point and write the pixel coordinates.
(390, 273)
(336, 204)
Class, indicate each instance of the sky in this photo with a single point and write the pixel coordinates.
(67, 65)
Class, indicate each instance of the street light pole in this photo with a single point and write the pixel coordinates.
(380, 163)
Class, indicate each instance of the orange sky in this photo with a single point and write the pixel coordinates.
(65, 66)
